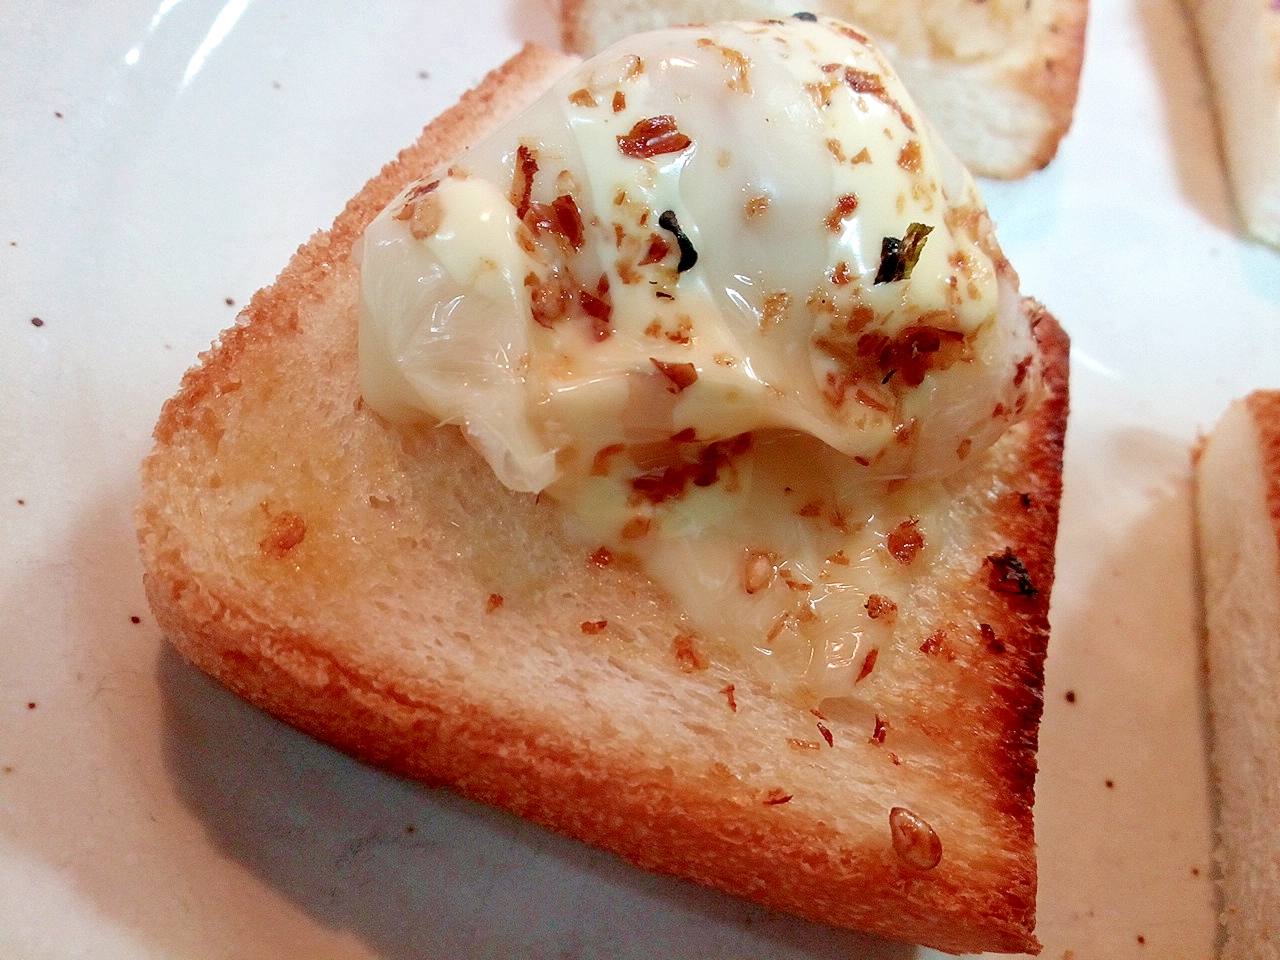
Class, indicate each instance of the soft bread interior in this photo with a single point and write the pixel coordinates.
(1240, 563)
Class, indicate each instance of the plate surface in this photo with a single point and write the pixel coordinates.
(161, 161)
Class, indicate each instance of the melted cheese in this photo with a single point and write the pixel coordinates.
(718, 292)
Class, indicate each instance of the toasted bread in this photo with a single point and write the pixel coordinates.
(1238, 513)
(1240, 43)
(376, 586)
(997, 79)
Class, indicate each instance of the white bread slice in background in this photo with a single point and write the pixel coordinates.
(998, 78)
(377, 587)
(1240, 43)
(1238, 511)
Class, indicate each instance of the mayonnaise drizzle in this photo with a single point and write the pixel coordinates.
(734, 421)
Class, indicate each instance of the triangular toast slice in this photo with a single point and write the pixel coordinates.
(377, 587)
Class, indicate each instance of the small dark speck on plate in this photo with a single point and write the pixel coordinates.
(135, 619)
(31, 704)
(58, 114)
(1111, 784)
(1071, 696)
(275, 84)
(37, 322)
(1141, 939)
(230, 302)
(21, 502)
(423, 75)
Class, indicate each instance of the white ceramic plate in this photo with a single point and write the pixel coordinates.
(159, 162)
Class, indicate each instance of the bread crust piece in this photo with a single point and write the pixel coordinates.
(377, 587)
(1240, 44)
(1003, 107)
(1238, 519)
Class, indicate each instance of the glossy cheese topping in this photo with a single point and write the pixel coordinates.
(718, 293)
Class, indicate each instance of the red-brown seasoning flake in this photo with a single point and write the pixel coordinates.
(671, 481)
(758, 571)
(756, 206)
(1020, 372)
(548, 300)
(426, 215)
(909, 157)
(908, 357)
(568, 220)
(862, 156)
(914, 841)
(657, 252)
(843, 210)
(582, 97)
(687, 654)
(866, 83)
(963, 448)
(811, 509)
(736, 64)
(728, 692)
(906, 541)
(826, 734)
(522, 180)
(776, 796)
(493, 603)
(880, 607)
(868, 664)
(619, 101)
(936, 643)
(599, 308)
(601, 558)
(653, 137)
(867, 400)
(839, 558)
(775, 309)
(680, 375)
(840, 276)
(878, 731)
(412, 197)
(593, 627)
(285, 532)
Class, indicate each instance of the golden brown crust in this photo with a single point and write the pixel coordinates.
(1053, 80)
(343, 576)
(1264, 407)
